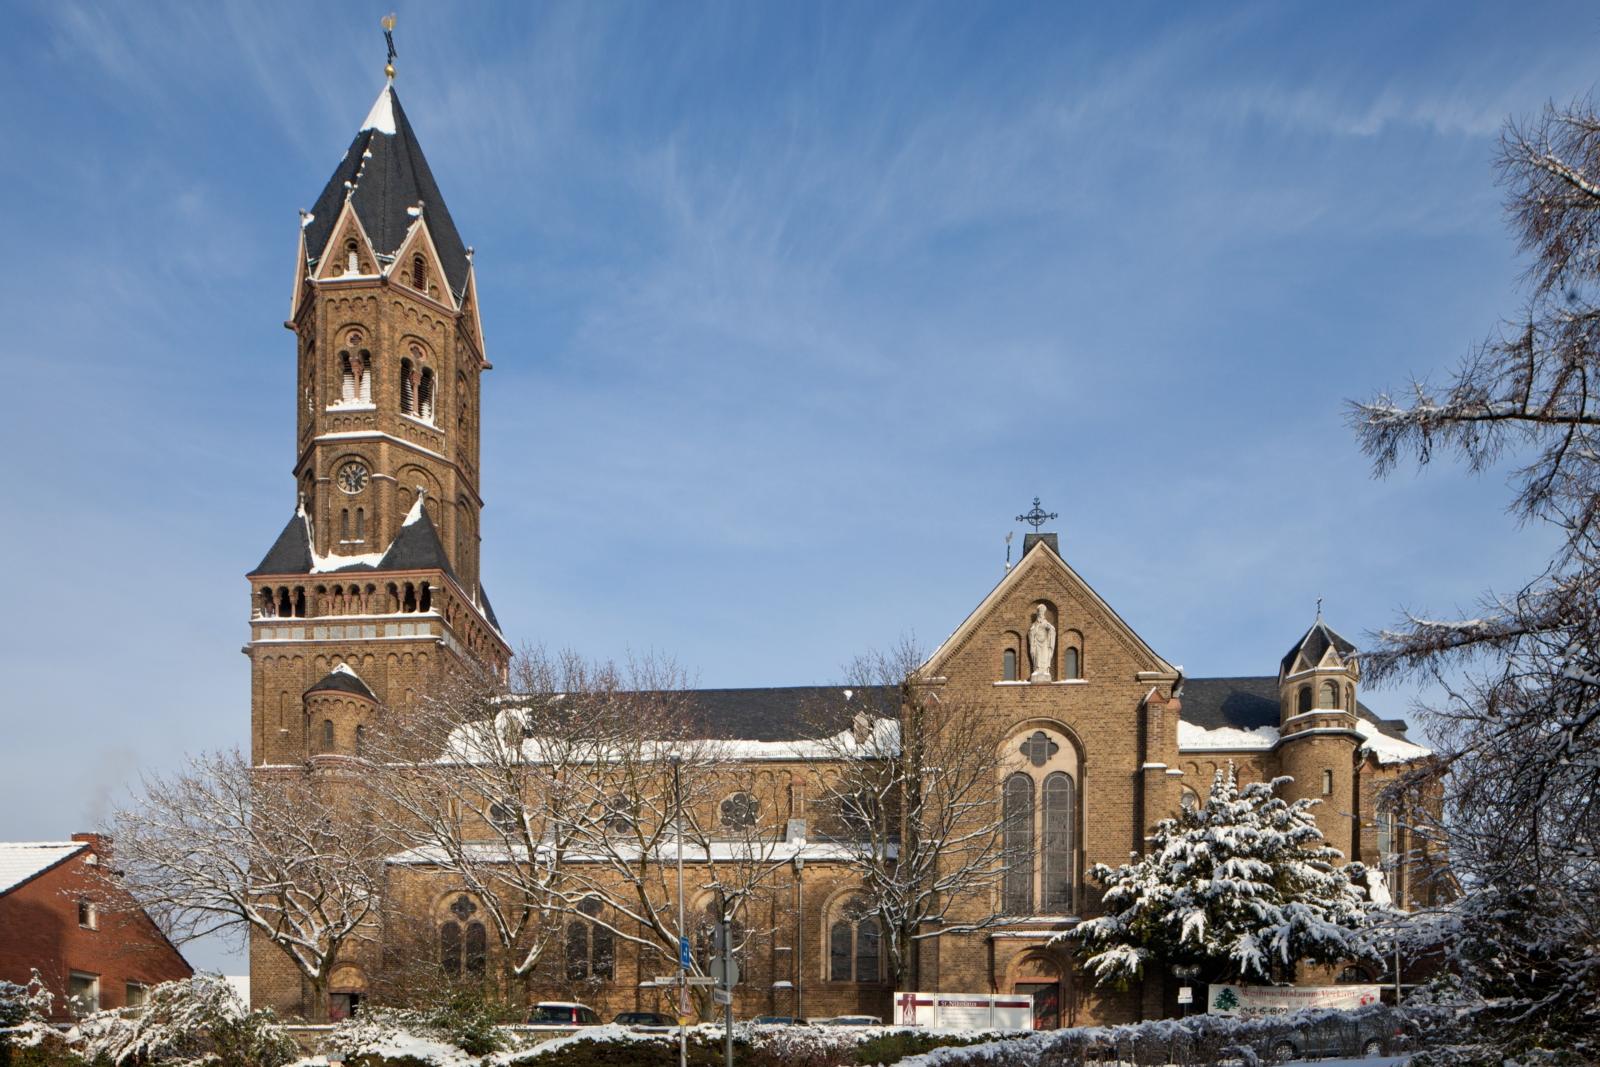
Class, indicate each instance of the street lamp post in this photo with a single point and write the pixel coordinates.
(799, 939)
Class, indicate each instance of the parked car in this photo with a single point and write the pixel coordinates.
(851, 1020)
(1367, 1034)
(773, 1020)
(562, 1013)
(645, 1020)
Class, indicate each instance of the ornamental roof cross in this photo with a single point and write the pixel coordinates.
(1037, 517)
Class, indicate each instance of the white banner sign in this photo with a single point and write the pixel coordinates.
(1253, 1002)
(964, 1011)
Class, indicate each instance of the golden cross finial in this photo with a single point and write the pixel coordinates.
(388, 38)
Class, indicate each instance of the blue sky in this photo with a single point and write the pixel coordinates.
(792, 308)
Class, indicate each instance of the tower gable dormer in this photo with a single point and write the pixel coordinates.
(349, 253)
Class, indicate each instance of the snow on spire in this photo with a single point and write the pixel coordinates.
(344, 668)
(416, 510)
(381, 117)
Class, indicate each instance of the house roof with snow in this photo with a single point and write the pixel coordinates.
(385, 174)
(23, 861)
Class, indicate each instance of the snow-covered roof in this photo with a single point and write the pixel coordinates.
(766, 851)
(1195, 738)
(1244, 713)
(415, 547)
(22, 861)
(470, 742)
(1387, 748)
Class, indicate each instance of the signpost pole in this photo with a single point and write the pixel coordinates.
(683, 964)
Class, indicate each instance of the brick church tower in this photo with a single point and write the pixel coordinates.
(372, 590)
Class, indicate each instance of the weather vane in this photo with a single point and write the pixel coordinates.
(1037, 517)
(388, 37)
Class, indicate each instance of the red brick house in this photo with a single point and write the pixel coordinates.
(58, 917)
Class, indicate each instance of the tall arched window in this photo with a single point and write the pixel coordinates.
(450, 947)
(425, 395)
(1328, 695)
(419, 273)
(591, 947)
(1069, 664)
(344, 524)
(1060, 815)
(477, 950)
(327, 735)
(463, 941)
(1386, 836)
(867, 950)
(361, 524)
(839, 939)
(361, 739)
(408, 387)
(1018, 815)
(352, 258)
(855, 947)
(1303, 700)
(1008, 665)
(347, 377)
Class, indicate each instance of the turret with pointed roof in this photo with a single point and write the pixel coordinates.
(1319, 720)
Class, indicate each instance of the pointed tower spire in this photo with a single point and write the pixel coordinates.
(385, 177)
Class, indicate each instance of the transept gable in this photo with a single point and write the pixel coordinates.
(1043, 576)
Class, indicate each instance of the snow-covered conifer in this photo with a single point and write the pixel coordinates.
(1243, 887)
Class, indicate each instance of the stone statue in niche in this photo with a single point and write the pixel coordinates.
(1041, 645)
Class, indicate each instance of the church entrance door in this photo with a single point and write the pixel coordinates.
(1046, 1003)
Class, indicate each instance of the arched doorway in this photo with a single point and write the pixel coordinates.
(347, 989)
(1040, 976)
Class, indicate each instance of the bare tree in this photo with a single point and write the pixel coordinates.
(480, 781)
(272, 852)
(555, 804)
(913, 802)
(1518, 728)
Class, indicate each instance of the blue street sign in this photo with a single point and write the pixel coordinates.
(683, 953)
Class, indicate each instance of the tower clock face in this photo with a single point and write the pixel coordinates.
(352, 477)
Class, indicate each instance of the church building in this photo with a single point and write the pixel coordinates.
(372, 597)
